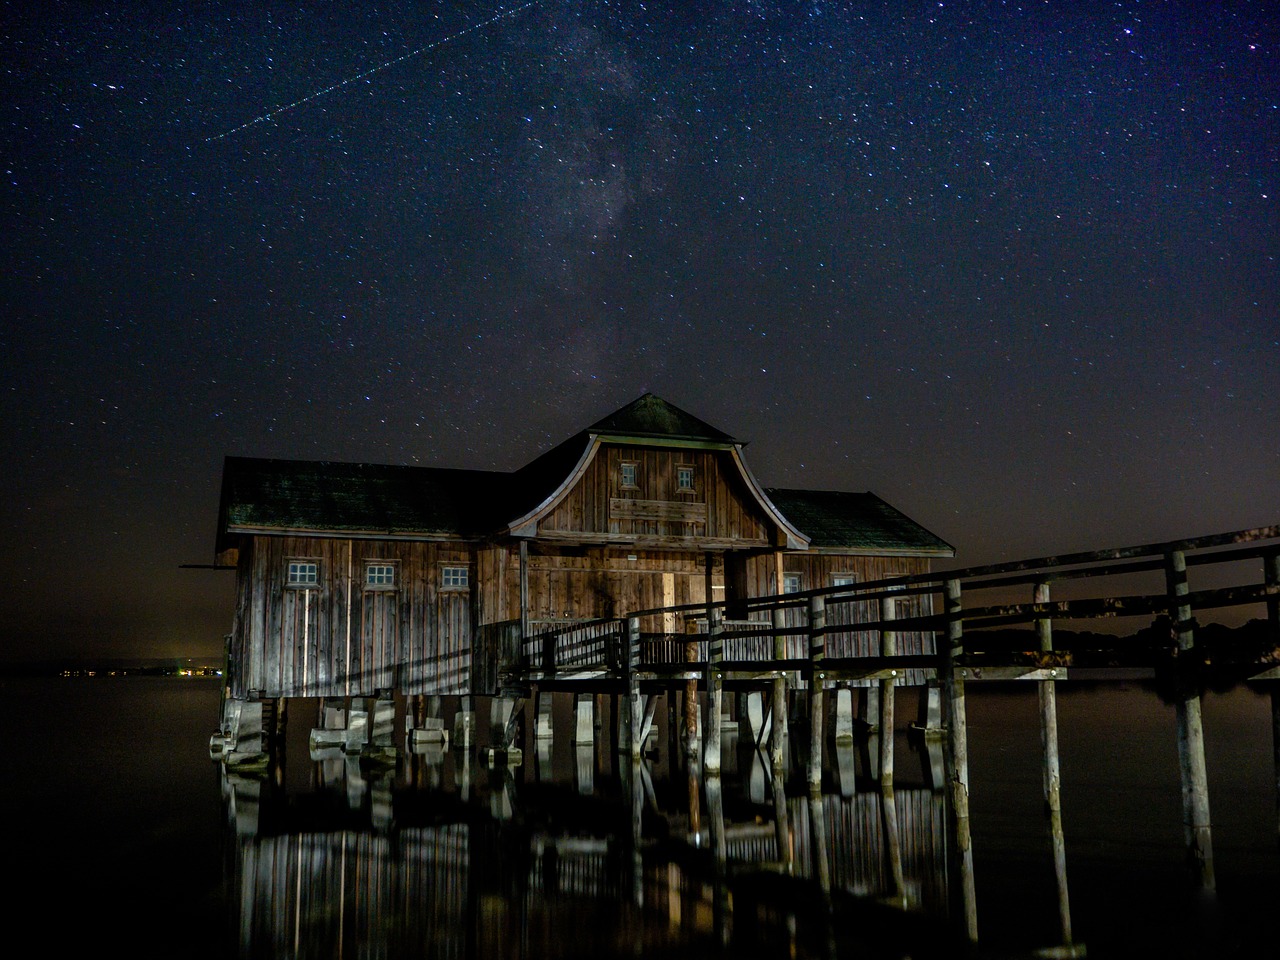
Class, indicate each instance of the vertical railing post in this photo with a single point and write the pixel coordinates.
(1052, 773)
(817, 680)
(1195, 779)
(958, 750)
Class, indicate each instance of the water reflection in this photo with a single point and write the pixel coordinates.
(444, 854)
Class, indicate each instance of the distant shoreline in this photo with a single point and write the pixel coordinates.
(181, 669)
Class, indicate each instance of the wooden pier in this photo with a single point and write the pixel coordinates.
(788, 663)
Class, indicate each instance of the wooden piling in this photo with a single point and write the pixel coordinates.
(888, 804)
(691, 702)
(1195, 779)
(817, 680)
(714, 679)
(958, 750)
(1052, 775)
(1271, 578)
(633, 719)
(778, 703)
(888, 648)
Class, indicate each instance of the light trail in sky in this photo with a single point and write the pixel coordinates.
(271, 114)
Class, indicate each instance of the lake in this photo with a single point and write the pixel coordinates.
(123, 833)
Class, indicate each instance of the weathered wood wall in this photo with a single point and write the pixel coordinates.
(718, 508)
(342, 638)
(818, 570)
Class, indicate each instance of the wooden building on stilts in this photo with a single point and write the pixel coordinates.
(365, 584)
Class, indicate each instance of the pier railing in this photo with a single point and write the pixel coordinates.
(877, 629)
(943, 629)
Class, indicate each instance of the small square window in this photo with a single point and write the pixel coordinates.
(627, 474)
(303, 573)
(684, 478)
(380, 575)
(454, 577)
(791, 583)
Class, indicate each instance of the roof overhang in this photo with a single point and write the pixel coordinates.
(790, 537)
(880, 552)
(259, 530)
(527, 525)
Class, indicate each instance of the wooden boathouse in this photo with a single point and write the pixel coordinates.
(366, 582)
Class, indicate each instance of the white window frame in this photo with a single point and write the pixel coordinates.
(632, 467)
(301, 573)
(789, 577)
(683, 471)
(380, 569)
(455, 576)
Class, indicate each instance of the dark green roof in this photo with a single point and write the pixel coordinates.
(651, 416)
(335, 497)
(859, 521)
(324, 495)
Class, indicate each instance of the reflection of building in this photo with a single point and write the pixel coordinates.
(447, 871)
(355, 580)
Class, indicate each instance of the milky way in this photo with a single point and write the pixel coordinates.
(1011, 267)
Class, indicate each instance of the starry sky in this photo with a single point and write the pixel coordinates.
(1010, 265)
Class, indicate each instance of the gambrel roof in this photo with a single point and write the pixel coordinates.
(329, 498)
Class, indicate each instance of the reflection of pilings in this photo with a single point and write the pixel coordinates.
(782, 824)
(817, 715)
(857, 845)
(892, 843)
(636, 774)
(1052, 778)
(958, 744)
(1275, 746)
(1271, 577)
(818, 842)
(341, 893)
(893, 848)
(1195, 778)
(720, 907)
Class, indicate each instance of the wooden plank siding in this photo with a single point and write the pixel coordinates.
(600, 508)
(818, 570)
(342, 638)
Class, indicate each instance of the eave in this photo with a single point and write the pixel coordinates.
(854, 551)
(352, 534)
(793, 539)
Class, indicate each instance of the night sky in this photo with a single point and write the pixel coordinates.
(1011, 266)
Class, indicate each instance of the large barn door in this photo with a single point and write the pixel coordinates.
(453, 615)
(379, 639)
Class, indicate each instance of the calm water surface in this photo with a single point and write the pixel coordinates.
(123, 833)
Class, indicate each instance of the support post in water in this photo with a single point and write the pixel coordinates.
(1271, 578)
(817, 679)
(888, 804)
(888, 648)
(958, 751)
(714, 680)
(634, 720)
(1052, 773)
(1195, 778)
(778, 703)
